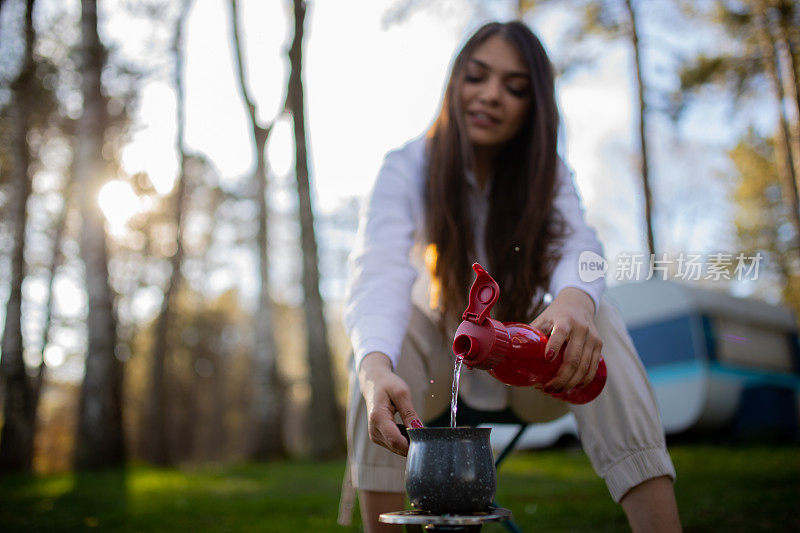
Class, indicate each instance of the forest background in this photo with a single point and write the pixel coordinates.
(180, 182)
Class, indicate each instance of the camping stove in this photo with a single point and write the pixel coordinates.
(466, 523)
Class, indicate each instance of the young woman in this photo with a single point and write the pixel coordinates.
(485, 184)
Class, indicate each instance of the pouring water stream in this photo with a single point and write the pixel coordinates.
(454, 395)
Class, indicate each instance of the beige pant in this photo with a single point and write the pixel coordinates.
(620, 430)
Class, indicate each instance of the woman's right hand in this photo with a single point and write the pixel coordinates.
(385, 394)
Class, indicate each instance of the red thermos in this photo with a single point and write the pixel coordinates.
(511, 352)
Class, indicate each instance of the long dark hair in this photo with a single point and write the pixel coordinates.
(522, 227)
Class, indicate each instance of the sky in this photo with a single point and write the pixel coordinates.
(368, 89)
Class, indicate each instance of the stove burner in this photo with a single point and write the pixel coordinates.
(447, 522)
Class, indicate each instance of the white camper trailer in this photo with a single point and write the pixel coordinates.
(714, 360)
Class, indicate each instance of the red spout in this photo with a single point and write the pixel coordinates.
(462, 346)
(481, 341)
(482, 296)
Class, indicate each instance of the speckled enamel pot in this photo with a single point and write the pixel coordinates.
(450, 470)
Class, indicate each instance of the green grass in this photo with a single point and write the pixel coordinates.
(755, 488)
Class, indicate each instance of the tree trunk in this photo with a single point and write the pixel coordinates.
(783, 152)
(16, 439)
(267, 404)
(644, 162)
(789, 61)
(324, 416)
(2, 2)
(55, 261)
(157, 443)
(99, 440)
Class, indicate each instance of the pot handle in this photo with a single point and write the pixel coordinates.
(403, 432)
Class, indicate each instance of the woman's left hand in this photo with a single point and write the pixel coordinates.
(570, 319)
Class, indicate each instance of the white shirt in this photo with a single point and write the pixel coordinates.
(387, 258)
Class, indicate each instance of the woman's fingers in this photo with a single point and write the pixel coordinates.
(558, 335)
(393, 439)
(589, 360)
(571, 365)
(596, 355)
(383, 431)
(543, 324)
(569, 321)
(582, 368)
(402, 402)
(382, 428)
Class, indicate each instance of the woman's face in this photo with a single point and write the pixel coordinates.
(495, 93)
